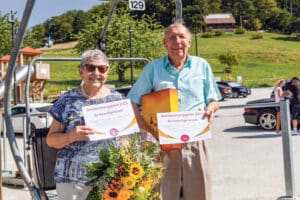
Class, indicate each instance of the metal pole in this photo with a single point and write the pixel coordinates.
(4, 143)
(7, 107)
(287, 152)
(101, 41)
(196, 42)
(130, 49)
(241, 18)
(178, 9)
(12, 21)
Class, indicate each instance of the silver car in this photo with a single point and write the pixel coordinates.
(39, 116)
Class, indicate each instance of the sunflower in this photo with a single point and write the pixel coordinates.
(136, 171)
(111, 195)
(147, 183)
(124, 194)
(129, 182)
(126, 172)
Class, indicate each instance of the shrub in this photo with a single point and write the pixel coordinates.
(219, 32)
(207, 35)
(209, 29)
(240, 30)
(256, 36)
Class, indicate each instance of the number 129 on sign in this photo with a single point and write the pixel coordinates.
(137, 5)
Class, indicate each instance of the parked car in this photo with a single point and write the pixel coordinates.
(237, 89)
(265, 117)
(39, 116)
(124, 90)
(225, 91)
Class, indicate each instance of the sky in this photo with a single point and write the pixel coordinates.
(45, 9)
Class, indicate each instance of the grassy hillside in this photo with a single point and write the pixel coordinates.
(262, 61)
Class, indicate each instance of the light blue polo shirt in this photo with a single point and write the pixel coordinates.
(195, 82)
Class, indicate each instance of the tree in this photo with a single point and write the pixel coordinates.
(36, 37)
(244, 11)
(292, 6)
(5, 35)
(280, 20)
(215, 6)
(163, 10)
(80, 20)
(257, 24)
(62, 28)
(144, 32)
(229, 59)
(264, 9)
(192, 17)
(227, 5)
(295, 26)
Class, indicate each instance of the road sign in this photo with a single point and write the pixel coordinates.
(137, 5)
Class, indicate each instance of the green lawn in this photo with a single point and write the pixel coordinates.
(262, 61)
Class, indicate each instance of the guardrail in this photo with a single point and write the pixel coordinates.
(287, 146)
(258, 105)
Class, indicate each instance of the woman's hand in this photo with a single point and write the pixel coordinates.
(80, 133)
(58, 139)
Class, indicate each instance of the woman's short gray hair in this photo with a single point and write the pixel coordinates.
(94, 54)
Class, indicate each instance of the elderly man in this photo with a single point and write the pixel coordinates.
(188, 169)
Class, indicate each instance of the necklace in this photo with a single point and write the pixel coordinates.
(101, 94)
(82, 91)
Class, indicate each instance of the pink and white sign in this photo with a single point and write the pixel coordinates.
(111, 119)
(182, 127)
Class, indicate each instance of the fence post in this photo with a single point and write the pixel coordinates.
(287, 152)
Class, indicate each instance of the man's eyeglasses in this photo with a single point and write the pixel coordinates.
(92, 68)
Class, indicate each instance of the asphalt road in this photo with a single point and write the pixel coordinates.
(247, 161)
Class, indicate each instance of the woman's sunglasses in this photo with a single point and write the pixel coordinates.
(92, 68)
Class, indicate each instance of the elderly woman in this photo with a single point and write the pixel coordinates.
(68, 132)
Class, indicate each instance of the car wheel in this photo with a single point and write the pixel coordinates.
(267, 120)
(235, 95)
(244, 95)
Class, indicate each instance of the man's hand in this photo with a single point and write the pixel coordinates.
(210, 114)
(210, 110)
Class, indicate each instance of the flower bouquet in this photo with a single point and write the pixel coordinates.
(128, 172)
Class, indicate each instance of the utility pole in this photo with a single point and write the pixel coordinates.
(196, 41)
(241, 17)
(12, 21)
(130, 49)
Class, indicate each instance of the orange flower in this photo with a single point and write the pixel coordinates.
(111, 195)
(128, 182)
(124, 194)
(136, 171)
